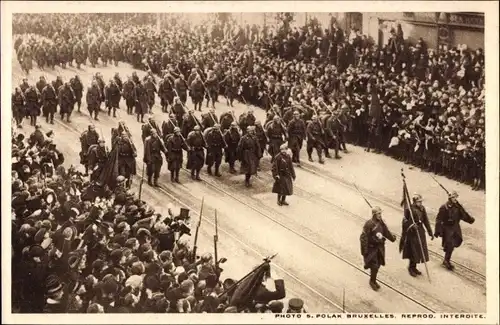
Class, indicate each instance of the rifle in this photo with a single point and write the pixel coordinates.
(447, 192)
(142, 180)
(195, 247)
(407, 199)
(216, 239)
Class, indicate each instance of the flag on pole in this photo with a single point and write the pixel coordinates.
(109, 172)
(245, 292)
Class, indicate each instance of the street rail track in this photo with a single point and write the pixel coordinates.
(461, 270)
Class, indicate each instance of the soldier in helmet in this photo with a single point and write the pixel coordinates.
(249, 151)
(128, 94)
(49, 103)
(126, 156)
(18, 107)
(93, 100)
(197, 89)
(148, 127)
(166, 92)
(413, 242)
(315, 135)
(113, 96)
(232, 138)
(97, 158)
(77, 86)
(215, 145)
(211, 85)
(276, 135)
(178, 110)
(226, 119)
(246, 119)
(209, 119)
(283, 174)
(297, 134)
(153, 147)
(151, 90)
(141, 104)
(181, 87)
(196, 156)
(372, 239)
(448, 226)
(66, 101)
(88, 138)
(189, 122)
(175, 144)
(168, 126)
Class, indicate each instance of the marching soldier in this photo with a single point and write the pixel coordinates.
(196, 91)
(297, 134)
(32, 103)
(168, 126)
(283, 174)
(141, 104)
(113, 96)
(178, 110)
(175, 144)
(230, 88)
(153, 147)
(129, 94)
(275, 134)
(215, 145)
(24, 85)
(57, 83)
(126, 156)
(196, 156)
(40, 84)
(189, 122)
(135, 78)
(66, 101)
(93, 100)
(315, 134)
(101, 84)
(372, 239)
(151, 90)
(77, 86)
(88, 138)
(226, 120)
(97, 158)
(232, 138)
(262, 139)
(148, 127)
(209, 119)
(49, 103)
(248, 151)
(413, 243)
(333, 134)
(118, 81)
(211, 85)
(246, 119)
(448, 226)
(166, 92)
(18, 108)
(181, 88)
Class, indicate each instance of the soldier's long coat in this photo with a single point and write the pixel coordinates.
(448, 224)
(283, 168)
(409, 243)
(248, 152)
(373, 249)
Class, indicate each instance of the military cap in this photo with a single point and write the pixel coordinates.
(120, 179)
(376, 210)
(177, 129)
(417, 197)
(196, 128)
(453, 194)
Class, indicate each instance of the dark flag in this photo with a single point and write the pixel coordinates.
(404, 201)
(245, 291)
(109, 172)
(375, 109)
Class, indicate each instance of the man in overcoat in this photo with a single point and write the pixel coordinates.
(373, 237)
(283, 174)
(448, 226)
(413, 243)
(248, 152)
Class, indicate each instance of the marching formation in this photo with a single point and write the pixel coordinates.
(87, 243)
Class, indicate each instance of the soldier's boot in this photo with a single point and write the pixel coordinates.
(142, 118)
(231, 168)
(217, 172)
(177, 176)
(227, 102)
(231, 102)
(114, 111)
(46, 119)
(310, 158)
(150, 183)
(51, 118)
(96, 114)
(68, 117)
(207, 102)
(247, 180)
(86, 171)
(155, 183)
(373, 279)
(198, 175)
(411, 269)
(327, 154)
(320, 157)
(279, 200)
(446, 261)
(283, 201)
(172, 176)
(193, 177)
(109, 111)
(138, 117)
(209, 170)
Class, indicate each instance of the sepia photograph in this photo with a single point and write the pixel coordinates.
(322, 163)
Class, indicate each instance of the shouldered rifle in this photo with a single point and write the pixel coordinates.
(195, 247)
(142, 180)
(216, 239)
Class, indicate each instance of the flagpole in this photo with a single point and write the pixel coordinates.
(407, 199)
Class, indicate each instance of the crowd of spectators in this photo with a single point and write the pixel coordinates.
(432, 100)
